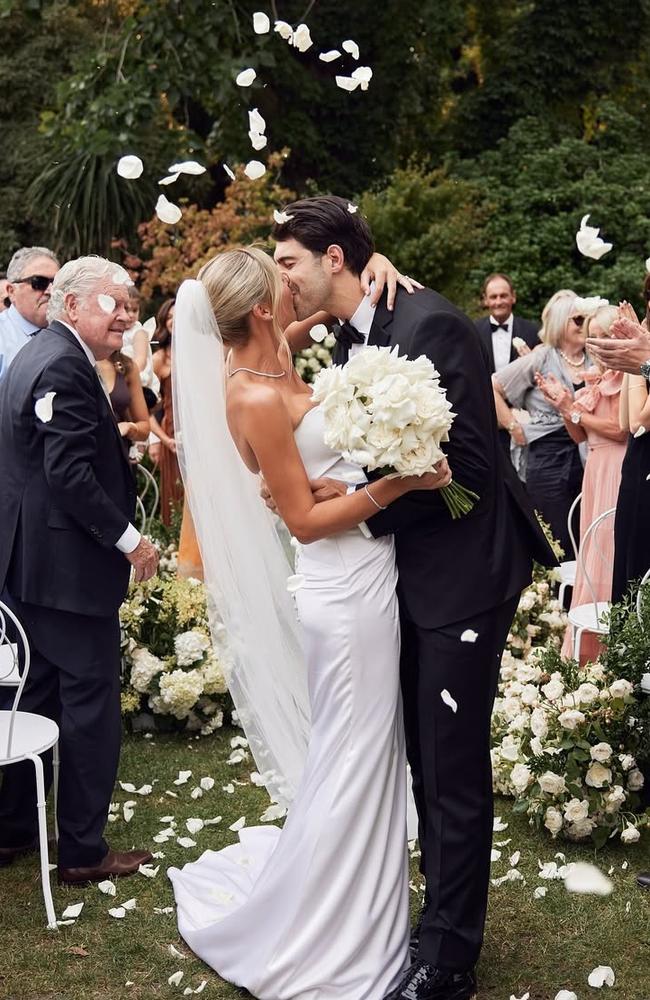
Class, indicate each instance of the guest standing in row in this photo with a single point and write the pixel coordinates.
(171, 485)
(30, 275)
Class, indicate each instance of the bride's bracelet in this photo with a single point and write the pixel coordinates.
(370, 497)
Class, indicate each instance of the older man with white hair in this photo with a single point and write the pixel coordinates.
(30, 275)
(67, 546)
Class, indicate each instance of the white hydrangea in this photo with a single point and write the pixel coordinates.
(144, 667)
(214, 681)
(180, 690)
(189, 647)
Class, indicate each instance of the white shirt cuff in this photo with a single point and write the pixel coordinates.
(129, 540)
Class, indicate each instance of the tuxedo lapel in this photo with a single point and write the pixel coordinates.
(379, 335)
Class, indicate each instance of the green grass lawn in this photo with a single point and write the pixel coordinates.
(535, 945)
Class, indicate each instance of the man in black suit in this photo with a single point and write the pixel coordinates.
(454, 576)
(505, 337)
(67, 496)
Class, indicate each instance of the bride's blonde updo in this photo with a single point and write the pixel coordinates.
(236, 280)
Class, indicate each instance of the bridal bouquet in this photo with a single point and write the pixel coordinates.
(389, 414)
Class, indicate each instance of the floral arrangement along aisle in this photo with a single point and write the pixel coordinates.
(170, 666)
(567, 740)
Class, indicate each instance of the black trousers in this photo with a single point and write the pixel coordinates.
(449, 754)
(553, 479)
(74, 678)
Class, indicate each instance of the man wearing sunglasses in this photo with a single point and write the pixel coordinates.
(29, 282)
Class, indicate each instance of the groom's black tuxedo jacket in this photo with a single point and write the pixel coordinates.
(67, 491)
(450, 569)
(524, 328)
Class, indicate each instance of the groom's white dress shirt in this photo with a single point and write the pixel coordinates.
(362, 321)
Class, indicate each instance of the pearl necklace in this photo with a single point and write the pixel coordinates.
(253, 372)
(573, 364)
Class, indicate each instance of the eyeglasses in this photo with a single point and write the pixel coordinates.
(39, 282)
(578, 320)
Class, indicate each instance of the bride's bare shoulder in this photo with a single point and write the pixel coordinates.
(254, 403)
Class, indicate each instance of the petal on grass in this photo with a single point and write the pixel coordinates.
(185, 842)
(602, 975)
(183, 777)
(118, 912)
(175, 978)
(284, 30)
(207, 783)
(107, 887)
(239, 824)
(72, 912)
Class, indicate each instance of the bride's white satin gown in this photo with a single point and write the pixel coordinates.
(319, 909)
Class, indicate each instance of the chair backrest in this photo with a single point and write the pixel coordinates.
(150, 485)
(141, 515)
(21, 646)
(569, 522)
(589, 536)
(639, 597)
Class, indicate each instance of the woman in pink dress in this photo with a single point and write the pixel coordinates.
(592, 417)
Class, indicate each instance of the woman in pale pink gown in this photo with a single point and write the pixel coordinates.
(593, 417)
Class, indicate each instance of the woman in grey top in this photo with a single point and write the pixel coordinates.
(554, 471)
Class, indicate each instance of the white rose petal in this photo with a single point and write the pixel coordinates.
(169, 179)
(295, 582)
(167, 212)
(175, 979)
(255, 121)
(160, 910)
(194, 825)
(639, 432)
(347, 82)
(302, 38)
(183, 777)
(72, 912)
(261, 23)
(526, 996)
(129, 905)
(254, 170)
(352, 209)
(148, 870)
(43, 407)
(130, 167)
(187, 167)
(351, 47)
(588, 241)
(175, 952)
(514, 860)
(258, 141)
(284, 30)
(229, 172)
(273, 812)
(106, 303)
(245, 78)
(364, 75)
(121, 277)
(213, 822)
(469, 635)
(448, 700)
(185, 842)
(495, 855)
(566, 995)
(318, 332)
(239, 824)
(107, 887)
(128, 813)
(540, 892)
(196, 793)
(602, 975)
(587, 880)
(118, 912)
(281, 218)
(498, 825)
(331, 55)
(207, 784)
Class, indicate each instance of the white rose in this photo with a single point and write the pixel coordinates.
(630, 835)
(621, 689)
(601, 752)
(614, 799)
(527, 673)
(520, 777)
(635, 780)
(551, 783)
(509, 749)
(511, 707)
(536, 746)
(529, 695)
(539, 723)
(627, 761)
(553, 820)
(597, 775)
(587, 694)
(553, 690)
(580, 830)
(519, 724)
(571, 718)
(576, 810)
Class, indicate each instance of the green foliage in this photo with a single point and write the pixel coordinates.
(431, 225)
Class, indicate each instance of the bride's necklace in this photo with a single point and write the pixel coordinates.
(253, 372)
(572, 364)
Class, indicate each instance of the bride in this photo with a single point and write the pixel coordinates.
(317, 910)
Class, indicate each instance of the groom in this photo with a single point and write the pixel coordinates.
(459, 583)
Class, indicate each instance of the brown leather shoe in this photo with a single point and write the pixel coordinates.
(118, 864)
(8, 854)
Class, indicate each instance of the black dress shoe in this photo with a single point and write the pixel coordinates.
(643, 879)
(424, 982)
(8, 854)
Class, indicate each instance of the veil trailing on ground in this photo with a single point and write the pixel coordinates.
(252, 616)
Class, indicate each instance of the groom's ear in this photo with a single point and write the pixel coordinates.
(335, 258)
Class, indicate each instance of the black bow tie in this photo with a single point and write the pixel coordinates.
(498, 326)
(347, 335)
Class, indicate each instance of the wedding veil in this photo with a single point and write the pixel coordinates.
(244, 563)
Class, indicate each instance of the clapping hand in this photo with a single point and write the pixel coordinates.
(554, 392)
(627, 348)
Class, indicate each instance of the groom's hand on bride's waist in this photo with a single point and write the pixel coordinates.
(322, 489)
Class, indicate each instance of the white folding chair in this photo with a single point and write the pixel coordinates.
(25, 736)
(150, 484)
(568, 568)
(589, 617)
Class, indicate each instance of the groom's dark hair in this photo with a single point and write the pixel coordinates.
(317, 223)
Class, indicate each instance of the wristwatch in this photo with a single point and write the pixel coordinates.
(576, 417)
(645, 369)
